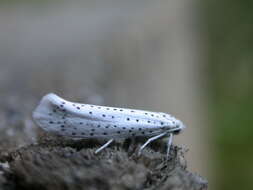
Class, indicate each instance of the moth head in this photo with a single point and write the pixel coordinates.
(179, 126)
(176, 126)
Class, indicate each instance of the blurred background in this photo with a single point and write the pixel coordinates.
(188, 58)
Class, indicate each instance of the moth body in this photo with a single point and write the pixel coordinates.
(62, 117)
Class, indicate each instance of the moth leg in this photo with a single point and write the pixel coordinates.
(149, 141)
(104, 146)
(169, 144)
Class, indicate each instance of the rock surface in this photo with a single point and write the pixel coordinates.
(58, 163)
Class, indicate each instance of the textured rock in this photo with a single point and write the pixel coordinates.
(58, 163)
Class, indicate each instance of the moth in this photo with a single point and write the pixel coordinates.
(76, 120)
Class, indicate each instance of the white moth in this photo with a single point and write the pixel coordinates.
(56, 115)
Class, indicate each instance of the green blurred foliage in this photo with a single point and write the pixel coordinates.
(230, 49)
